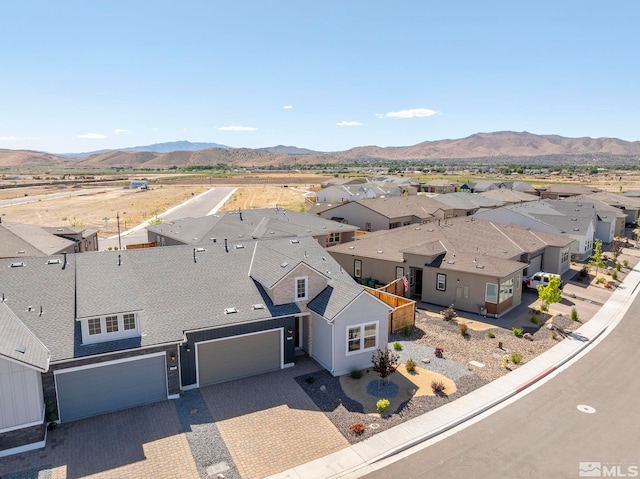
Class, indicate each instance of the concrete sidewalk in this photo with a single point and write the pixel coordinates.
(356, 458)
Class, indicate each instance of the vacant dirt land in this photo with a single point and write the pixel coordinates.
(251, 197)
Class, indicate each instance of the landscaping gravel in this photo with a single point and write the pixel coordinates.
(343, 412)
(205, 441)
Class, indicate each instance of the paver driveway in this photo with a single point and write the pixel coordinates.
(267, 422)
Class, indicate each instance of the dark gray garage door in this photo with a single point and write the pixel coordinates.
(239, 356)
(110, 387)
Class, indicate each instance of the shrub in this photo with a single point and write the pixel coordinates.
(534, 319)
(310, 380)
(517, 332)
(449, 313)
(410, 365)
(573, 263)
(356, 373)
(463, 328)
(397, 346)
(516, 358)
(491, 335)
(625, 263)
(357, 429)
(618, 266)
(544, 307)
(614, 275)
(574, 314)
(600, 280)
(438, 352)
(406, 330)
(437, 386)
(382, 405)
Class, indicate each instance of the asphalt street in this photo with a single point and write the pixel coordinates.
(586, 417)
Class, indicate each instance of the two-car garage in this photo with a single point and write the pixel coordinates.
(110, 386)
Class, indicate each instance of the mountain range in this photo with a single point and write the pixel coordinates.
(497, 147)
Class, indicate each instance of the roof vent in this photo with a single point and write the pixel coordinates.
(294, 241)
(284, 264)
(379, 251)
(576, 229)
(239, 246)
(257, 306)
(19, 264)
(479, 266)
(54, 261)
(58, 229)
(20, 348)
(23, 251)
(230, 310)
(574, 219)
(200, 250)
(351, 247)
(430, 230)
(418, 228)
(450, 262)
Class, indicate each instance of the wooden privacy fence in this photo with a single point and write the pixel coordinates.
(404, 310)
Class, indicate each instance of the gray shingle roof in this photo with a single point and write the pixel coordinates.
(20, 344)
(171, 292)
(468, 201)
(257, 223)
(29, 240)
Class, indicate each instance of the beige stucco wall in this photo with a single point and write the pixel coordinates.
(284, 292)
(358, 215)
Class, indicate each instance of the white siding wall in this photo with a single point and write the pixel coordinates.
(21, 399)
(365, 309)
(322, 343)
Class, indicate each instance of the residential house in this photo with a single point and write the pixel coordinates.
(343, 193)
(440, 186)
(577, 220)
(611, 220)
(509, 197)
(628, 204)
(257, 224)
(465, 204)
(100, 332)
(565, 190)
(474, 264)
(17, 240)
(387, 213)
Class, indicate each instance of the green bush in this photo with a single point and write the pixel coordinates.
(614, 275)
(618, 266)
(406, 330)
(356, 373)
(600, 280)
(310, 380)
(517, 332)
(534, 319)
(574, 314)
(410, 365)
(382, 405)
(491, 335)
(516, 358)
(625, 263)
(397, 346)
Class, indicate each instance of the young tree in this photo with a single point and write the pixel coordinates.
(385, 362)
(550, 294)
(596, 260)
(616, 247)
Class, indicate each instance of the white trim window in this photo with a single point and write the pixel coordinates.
(333, 238)
(399, 272)
(491, 293)
(302, 288)
(506, 290)
(441, 282)
(357, 268)
(565, 255)
(362, 338)
(109, 328)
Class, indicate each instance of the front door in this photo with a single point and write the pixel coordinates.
(417, 283)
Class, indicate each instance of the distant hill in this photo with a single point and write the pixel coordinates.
(167, 147)
(498, 144)
(289, 150)
(499, 147)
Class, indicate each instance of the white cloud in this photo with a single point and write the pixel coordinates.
(236, 128)
(288, 107)
(92, 136)
(120, 131)
(413, 113)
(349, 123)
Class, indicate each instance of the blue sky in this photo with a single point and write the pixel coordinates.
(84, 75)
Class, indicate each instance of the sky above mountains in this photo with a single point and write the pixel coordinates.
(83, 76)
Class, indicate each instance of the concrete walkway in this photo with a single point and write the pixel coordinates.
(354, 461)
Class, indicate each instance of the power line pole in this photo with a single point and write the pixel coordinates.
(118, 219)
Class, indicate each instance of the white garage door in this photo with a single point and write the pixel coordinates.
(111, 386)
(239, 356)
(535, 265)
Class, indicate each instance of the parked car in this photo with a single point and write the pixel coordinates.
(540, 279)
